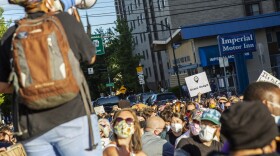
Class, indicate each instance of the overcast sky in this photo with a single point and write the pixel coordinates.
(101, 15)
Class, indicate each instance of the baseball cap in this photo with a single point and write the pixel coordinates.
(196, 114)
(211, 115)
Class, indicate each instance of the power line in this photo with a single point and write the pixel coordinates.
(213, 8)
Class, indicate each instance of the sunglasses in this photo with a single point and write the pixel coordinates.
(102, 125)
(127, 120)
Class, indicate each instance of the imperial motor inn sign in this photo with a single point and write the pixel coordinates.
(237, 42)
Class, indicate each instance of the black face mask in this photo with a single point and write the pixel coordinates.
(142, 124)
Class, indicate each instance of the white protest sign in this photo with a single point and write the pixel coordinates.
(99, 110)
(198, 84)
(265, 76)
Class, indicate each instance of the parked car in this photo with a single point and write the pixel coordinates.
(107, 102)
(161, 98)
(132, 99)
(142, 97)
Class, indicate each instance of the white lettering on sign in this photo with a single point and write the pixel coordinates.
(244, 38)
(198, 83)
(265, 76)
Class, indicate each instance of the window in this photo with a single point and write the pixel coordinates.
(131, 8)
(168, 65)
(166, 22)
(133, 24)
(150, 71)
(277, 2)
(135, 4)
(144, 55)
(146, 72)
(163, 3)
(136, 40)
(159, 4)
(252, 9)
(278, 38)
(128, 10)
(161, 24)
(144, 36)
(141, 38)
(138, 20)
(139, 3)
(147, 54)
(269, 37)
(141, 18)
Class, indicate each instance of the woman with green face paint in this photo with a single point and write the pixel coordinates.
(127, 135)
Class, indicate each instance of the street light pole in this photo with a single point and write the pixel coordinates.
(175, 60)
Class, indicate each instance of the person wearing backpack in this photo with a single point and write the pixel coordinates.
(52, 120)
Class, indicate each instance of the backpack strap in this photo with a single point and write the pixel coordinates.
(88, 107)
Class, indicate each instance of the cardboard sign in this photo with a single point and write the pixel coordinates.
(99, 110)
(198, 84)
(265, 76)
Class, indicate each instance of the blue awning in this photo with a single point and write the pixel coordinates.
(230, 26)
(209, 55)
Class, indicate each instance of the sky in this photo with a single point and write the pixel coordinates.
(102, 14)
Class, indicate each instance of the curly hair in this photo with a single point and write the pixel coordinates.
(135, 144)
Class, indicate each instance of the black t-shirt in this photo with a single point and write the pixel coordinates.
(195, 147)
(170, 137)
(39, 122)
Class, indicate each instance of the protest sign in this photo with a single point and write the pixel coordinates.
(198, 84)
(265, 76)
(99, 110)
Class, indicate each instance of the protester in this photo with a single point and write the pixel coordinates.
(105, 131)
(203, 143)
(6, 137)
(153, 145)
(268, 94)
(176, 128)
(249, 129)
(194, 126)
(127, 137)
(166, 115)
(62, 130)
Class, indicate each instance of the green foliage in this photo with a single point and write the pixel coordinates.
(3, 25)
(121, 62)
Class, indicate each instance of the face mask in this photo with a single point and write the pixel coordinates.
(206, 133)
(277, 120)
(163, 134)
(167, 127)
(106, 132)
(195, 128)
(176, 127)
(123, 130)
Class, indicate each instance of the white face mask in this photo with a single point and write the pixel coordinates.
(176, 127)
(206, 133)
(277, 120)
(195, 128)
(167, 127)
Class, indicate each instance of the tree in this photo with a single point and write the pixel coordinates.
(3, 25)
(5, 99)
(121, 62)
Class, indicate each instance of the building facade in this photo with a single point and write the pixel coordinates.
(195, 26)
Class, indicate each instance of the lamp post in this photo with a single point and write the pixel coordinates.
(175, 60)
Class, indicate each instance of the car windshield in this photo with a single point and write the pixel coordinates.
(146, 96)
(166, 96)
(113, 99)
(132, 98)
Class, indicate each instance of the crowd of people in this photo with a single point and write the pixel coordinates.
(238, 126)
(244, 125)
